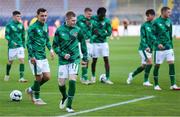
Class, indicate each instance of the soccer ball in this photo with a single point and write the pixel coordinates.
(102, 78)
(16, 95)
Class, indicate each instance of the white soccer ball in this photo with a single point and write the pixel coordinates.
(16, 95)
(102, 78)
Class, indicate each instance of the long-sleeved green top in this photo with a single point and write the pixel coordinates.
(66, 41)
(147, 36)
(37, 41)
(86, 26)
(101, 30)
(15, 34)
(163, 32)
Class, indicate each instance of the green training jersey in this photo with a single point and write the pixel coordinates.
(38, 39)
(66, 41)
(147, 36)
(163, 32)
(15, 34)
(101, 30)
(86, 26)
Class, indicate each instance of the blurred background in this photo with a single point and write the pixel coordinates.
(126, 15)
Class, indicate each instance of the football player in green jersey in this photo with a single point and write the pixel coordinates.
(15, 35)
(38, 39)
(85, 23)
(66, 46)
(164, 47)
(145, 49)
(101, 31)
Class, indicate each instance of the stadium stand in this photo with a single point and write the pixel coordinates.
(176, 12)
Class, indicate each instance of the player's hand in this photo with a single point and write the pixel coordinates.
(67, 56)
(15, 44)
(148, 49)
(33, 60)
(52, 54)
(160, 46)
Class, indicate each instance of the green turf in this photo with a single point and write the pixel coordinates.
(124, 58)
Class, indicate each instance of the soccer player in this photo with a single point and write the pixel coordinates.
(65, 45)
(38, 39)
(145, 49)
(15, 35)
(85, 23)
(164, 47)
(101, 30)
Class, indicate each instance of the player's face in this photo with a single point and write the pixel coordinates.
(88, 14)
(167, 13)
(71, 22)
(17, 18)
(150, 17)
(42, 17)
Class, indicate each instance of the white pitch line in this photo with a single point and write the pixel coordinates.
(108, 106)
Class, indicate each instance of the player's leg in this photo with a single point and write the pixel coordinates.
(170, 59)
(107, 70)
(84, 75)
(138, 70)
(21, 70)
(147, 69)
(158, 58)
(132, 75)
(146, 72)
(8, 68)
(93, 69)
(156, 74)
(62, 89)
(11, 58)
(45, 72)
(73, 71)
(20, 56)
(104, 51)
(62, 76)
(34, 90)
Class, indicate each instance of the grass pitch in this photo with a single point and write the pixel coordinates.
(124, 58)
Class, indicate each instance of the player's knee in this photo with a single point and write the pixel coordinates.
(61, 81)
(46, 77)
(10, 62)
(170, 62)
(21, 60)
(73, 77)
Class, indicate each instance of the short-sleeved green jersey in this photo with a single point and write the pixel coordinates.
(147, 36)
(15, 34)
(163, 32)
(101, 30)
(66, 41)
(38, 39)
(86, 26)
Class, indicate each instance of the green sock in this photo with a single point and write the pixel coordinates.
(107, 75)
(62, 89)
(21, 70)
(84, 73)
(172, 73)
(8, 68)
(146, 74)
(155, 73)
(93, 74)
(36, 89)
(43, 81)
(71, 92)
(137, 71)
